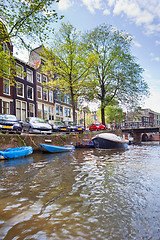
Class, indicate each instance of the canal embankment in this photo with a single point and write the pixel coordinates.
(16, 140)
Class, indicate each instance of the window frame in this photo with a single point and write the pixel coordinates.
(22, 71)
(45, 95)
(39, 87)
(31, 74)
(8, 108)
(40, 77)
(8, 94)
(21, 109)
(32, 92)
(44, 77)
(33, 105)
(50, 100)
(17, 89)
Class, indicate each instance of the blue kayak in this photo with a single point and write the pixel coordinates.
(54, 148)
(15, 152)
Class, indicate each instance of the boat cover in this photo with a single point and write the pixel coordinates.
(111, 137)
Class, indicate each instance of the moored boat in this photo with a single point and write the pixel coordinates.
(16, 152)
(109, 141)
(54, 148)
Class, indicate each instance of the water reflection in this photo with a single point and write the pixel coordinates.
(16, 161)
(86, 194)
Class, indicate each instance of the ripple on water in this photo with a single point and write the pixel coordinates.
(87, 194)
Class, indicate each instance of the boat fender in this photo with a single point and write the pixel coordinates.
(1, 157)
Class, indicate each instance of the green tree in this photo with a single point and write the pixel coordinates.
(114, 114)
(26, 20)
(117, 76)
(23, 22)
(67, 63)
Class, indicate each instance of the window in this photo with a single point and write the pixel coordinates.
(30, 92)
(39, 77)
(44, 78)
(45, 112)
(65, 98)
(58, 95)
(21, 110)
(31, 110)
(57, 109)
(67, 112)
(6, 86)
(39, 92)
(45, 95)
(19, 71)
(5, 48)
(68, 99)
(61, 111)
(5, 107)
(20, 89)
(51, 96)
(40, 111)
(29, 75)
(23, 116)
(50, 112)
(6, 63)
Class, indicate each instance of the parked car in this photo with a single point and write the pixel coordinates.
(58, 126)
(36, 125)
(9, 123)
(74, 127)
(97, 127)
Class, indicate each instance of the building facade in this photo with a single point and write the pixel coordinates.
(6, 89)
(24, 91)
(26, 96)
(142, 118)
(51, 104)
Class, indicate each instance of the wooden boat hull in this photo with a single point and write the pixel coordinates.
(16, 152)
(108, 141)
(55, 149)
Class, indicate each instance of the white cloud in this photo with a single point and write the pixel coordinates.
(154, 58)
(153, 101)
(65, 4)
(142, 12)
(153, 28)
(134, 11)
(92, 5)
(137, 44)
(106, 12)
(157, 42)
(157, 59)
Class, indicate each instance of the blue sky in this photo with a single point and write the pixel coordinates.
(139, 18)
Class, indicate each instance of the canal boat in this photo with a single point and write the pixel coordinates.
(54, 149)
(16, 152)
(109, 141)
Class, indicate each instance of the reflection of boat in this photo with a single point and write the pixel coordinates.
(16, 162)
(16, 152)
(54, 148)
(109, 141)
(84, 145)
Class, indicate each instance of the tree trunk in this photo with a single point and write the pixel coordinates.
(102, 115)
(102, 103)
(73, 105)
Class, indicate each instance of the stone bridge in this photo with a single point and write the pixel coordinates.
(143, 133)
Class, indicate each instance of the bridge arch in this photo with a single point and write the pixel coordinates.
(144, 137)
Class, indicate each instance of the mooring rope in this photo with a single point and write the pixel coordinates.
(32, 140)
(22, 140)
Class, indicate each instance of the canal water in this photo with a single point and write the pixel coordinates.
(86, 194)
